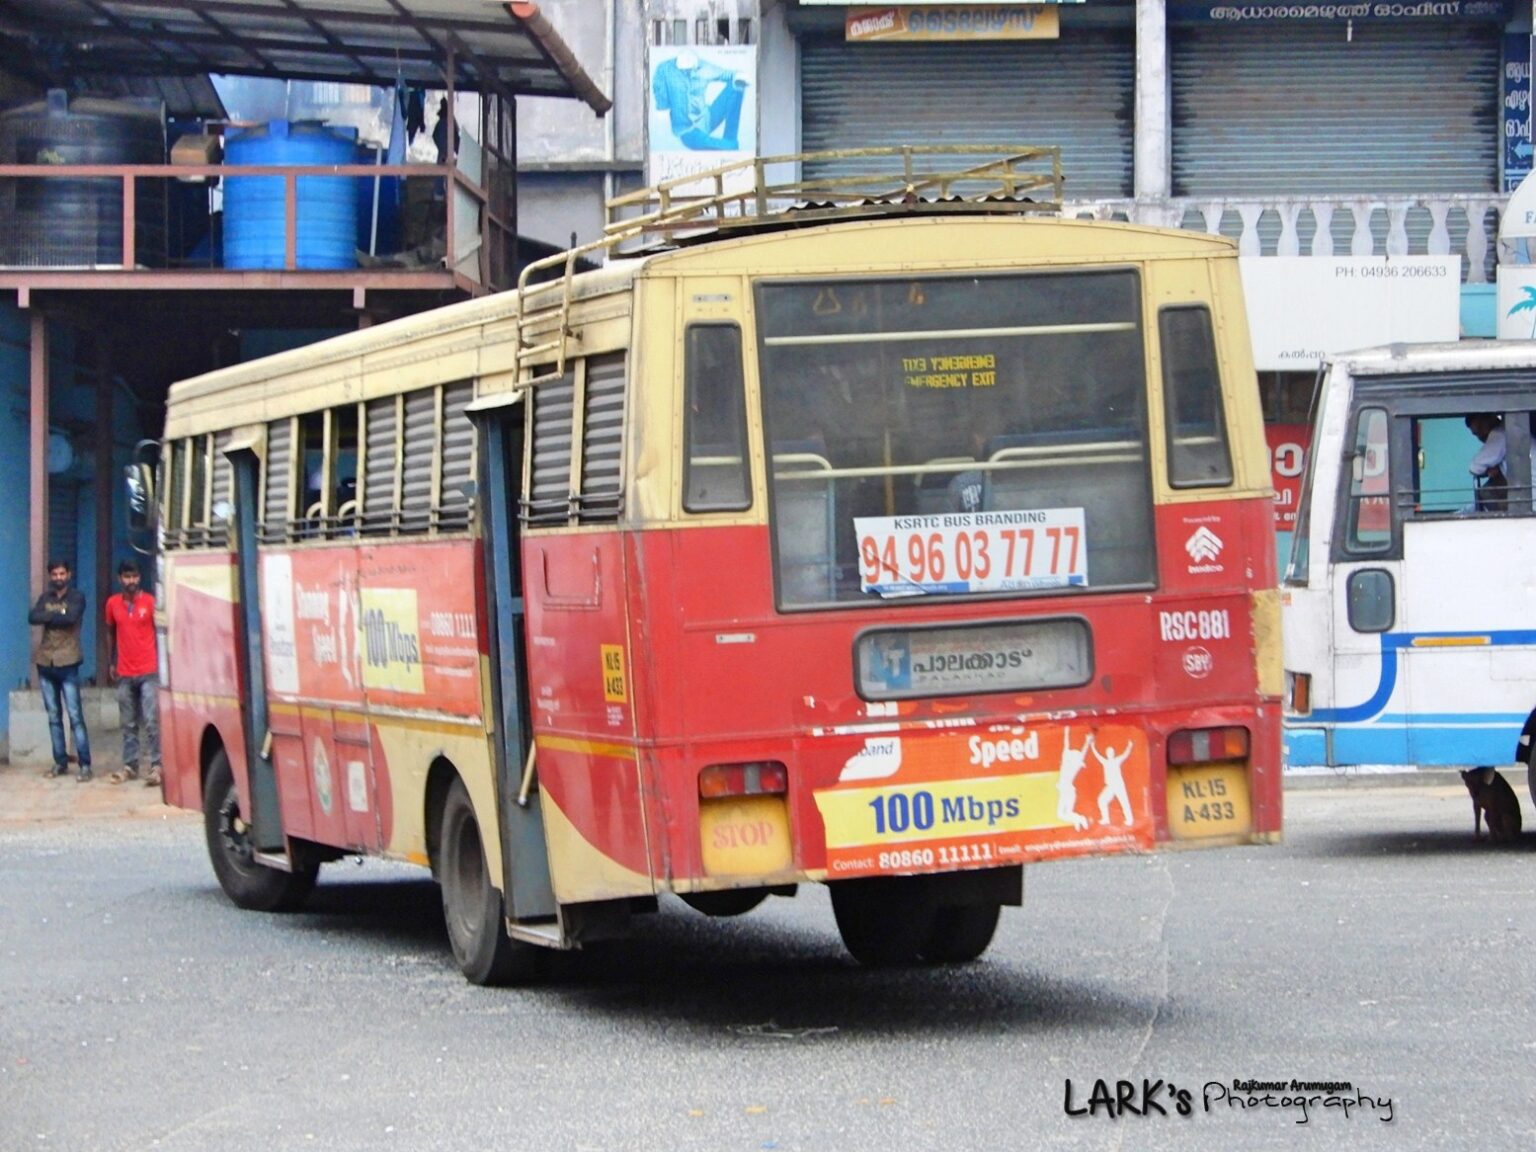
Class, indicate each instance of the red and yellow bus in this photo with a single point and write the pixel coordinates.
(889, 539)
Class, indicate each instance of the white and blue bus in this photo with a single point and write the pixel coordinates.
(1409, 606)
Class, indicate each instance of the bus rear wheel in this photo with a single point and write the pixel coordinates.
(472, 907)
(883, 920)
(245, 880)
(961, 933)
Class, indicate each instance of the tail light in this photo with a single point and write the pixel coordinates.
(755, 778)
(1298, 691)
(1207, 745)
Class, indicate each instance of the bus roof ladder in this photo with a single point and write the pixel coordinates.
(906, 179)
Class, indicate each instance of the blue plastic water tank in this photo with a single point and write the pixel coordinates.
(254, 231)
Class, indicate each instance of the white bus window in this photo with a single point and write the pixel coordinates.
(1369, 514)
(1198, 456)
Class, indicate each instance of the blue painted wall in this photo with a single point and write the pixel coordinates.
(72, 409)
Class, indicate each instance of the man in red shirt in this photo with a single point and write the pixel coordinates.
(134, 667)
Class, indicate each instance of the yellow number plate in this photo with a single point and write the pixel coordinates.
(1209, 800)
(744, 836)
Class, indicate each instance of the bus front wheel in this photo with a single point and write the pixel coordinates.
(472, 907)
(883, 920)
(245, 880)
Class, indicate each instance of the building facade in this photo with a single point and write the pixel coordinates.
(1361, 154)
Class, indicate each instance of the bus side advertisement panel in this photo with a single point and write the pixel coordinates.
(986, 796)
(394, 624)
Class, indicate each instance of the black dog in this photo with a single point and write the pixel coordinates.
(1493, 798)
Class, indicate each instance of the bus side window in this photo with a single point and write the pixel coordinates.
(175, 494)
(455, 498)
(222, 491)
(601, 494)
(418, 460)
(1198, 456)
(379, 490)
(277, 476)
(197, 491)
(715, 472)
(1368, 518)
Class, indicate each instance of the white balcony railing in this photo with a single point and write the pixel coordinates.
(1463, 224)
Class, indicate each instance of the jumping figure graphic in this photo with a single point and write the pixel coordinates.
(1114, 783)
(1072, 761)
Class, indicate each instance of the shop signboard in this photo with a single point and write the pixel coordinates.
(1302, 308)
(1517, 110)
(928, 22)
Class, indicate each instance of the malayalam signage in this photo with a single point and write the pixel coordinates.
(1287, 465)
(927, 22)
(1303, 308)
(1517, 110)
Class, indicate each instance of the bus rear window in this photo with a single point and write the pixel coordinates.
(956, 435)
(1196, 427)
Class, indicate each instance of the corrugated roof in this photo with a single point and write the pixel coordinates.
(509, 48)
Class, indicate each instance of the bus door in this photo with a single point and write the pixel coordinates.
(525, 859)
(1367, 582)
(261, 772)
(1468, 673)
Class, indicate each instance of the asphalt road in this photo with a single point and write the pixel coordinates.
(1379, 946)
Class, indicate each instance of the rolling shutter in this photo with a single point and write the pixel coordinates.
(1388, 109)
(1076, 92)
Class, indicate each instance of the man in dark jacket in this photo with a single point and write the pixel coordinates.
(60, 611)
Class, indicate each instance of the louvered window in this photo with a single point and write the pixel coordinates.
(176, 489)
(454, 503)
(553, 416)
(381, 456)
(276, 479)
(221, 506)
(420, 459)
(602, 440)
(197, 496)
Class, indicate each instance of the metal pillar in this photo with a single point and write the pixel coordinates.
(37, 534)
(104, 438)
(1152, 158)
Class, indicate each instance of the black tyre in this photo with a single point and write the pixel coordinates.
(246, 881)
(732, 902)
(1530, 772)
(477, 928)
(961, 933)
(883, 921)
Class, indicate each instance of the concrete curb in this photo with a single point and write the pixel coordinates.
(29, 798)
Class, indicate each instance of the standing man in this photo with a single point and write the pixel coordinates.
(134, 666)
(60, 610)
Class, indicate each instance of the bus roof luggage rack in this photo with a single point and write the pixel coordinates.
(899, 180)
